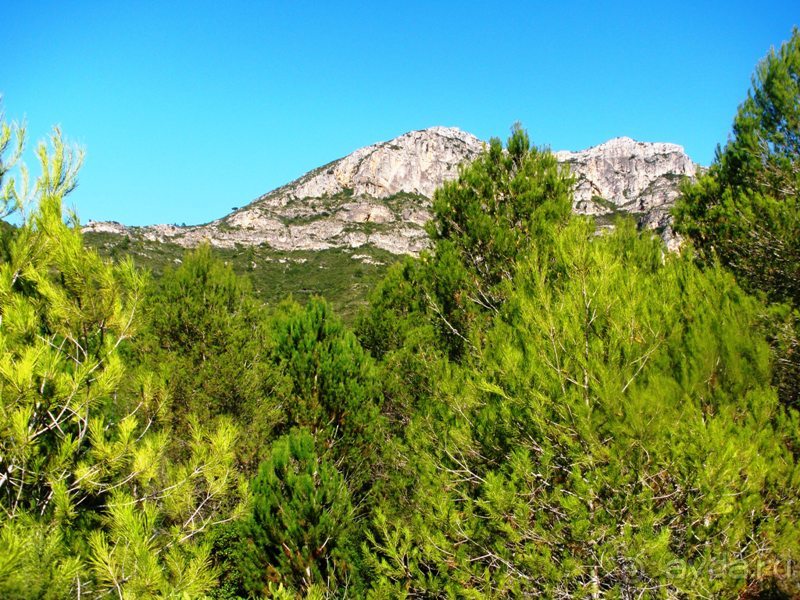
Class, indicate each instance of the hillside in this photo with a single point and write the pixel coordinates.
(334, 230)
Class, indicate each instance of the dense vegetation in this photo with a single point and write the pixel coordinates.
(529, 409)
(745, 211)
(343, 276)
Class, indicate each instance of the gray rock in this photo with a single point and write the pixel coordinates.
(380, 195)
(105, 227)
(623, 174)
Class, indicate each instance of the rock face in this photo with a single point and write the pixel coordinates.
(623, 174)
(380, 195)
(114, 227)
(416, 163)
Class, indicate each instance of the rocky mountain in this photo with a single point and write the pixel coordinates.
(623, 175)
(379, 196)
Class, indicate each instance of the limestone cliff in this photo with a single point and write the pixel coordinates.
(380, 195)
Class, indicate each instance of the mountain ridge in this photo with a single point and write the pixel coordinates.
(380, 195)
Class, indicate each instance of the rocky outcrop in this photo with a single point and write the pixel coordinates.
(380, 195)
(415, 163)
(105, 227)
(625, 175)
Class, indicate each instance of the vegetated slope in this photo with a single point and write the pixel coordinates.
(334, 230)
(343, 277)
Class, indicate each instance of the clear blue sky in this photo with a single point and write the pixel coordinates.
(187, 109)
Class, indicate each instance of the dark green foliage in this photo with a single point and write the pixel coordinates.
(302, 528)
(394, 307)
(483, 221)
(332, 387)
(750, 230)
(200, 305)
(7, 234)
(275, 275)
(500, 204)
(205, 334)
(745, 211)
(396, 330)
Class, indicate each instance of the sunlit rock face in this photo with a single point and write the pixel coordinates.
(415, 163)
(623, 174)
(380, 195)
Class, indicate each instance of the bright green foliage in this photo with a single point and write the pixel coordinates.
(302, 528)
(333, 392)
(530, 409)
(12, 136)
(90, 502)
(64, 314)
(617, 426)
(34, 562)
(149, 540)
(745, 211)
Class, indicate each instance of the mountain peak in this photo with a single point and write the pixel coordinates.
(628, 175)
(380, 195)
(416, 162)
(622, 145)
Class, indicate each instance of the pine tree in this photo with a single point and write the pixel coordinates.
(301, 533)
(91, 501)
(12, 137)
(616, 437)
(745, 211)
(499, 205)
(428, 310)
(206, 335)
(332, 389)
